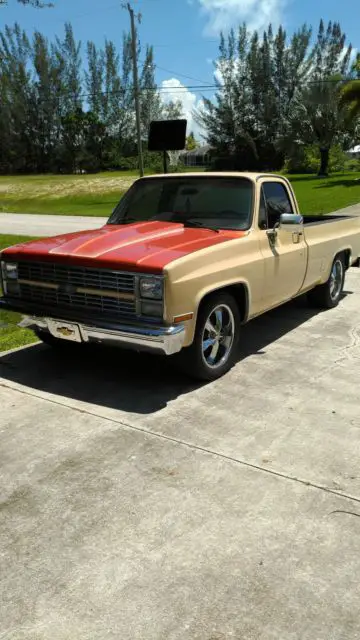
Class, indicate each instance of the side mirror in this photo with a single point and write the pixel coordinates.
(291, 222)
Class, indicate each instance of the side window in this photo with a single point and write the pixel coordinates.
(277, 201)
(263, 221)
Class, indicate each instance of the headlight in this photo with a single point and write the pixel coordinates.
(9, 270)
(151, 287)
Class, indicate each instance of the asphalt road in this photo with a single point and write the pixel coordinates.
(26, 224)
(135, 505)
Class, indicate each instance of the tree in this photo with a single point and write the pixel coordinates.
(68, 55)
(150, 101)
(126, 122)
(256, 80)
(172, 110)
(16, 125)
(112, 88)
(72, 140)
(191, 143)
(317, 115)
(350, 96)
(94, 78)
(55, 117)
(44, 107)
(267, 86)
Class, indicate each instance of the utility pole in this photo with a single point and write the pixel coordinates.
(136, 86)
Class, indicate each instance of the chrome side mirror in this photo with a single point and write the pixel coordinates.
(291, 222)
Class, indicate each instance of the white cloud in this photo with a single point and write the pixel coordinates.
(224, 14)
(189, 101)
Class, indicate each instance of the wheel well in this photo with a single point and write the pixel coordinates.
(347, 257)
(241, 295)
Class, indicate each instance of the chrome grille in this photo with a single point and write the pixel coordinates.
(68, 279)
(77, 276)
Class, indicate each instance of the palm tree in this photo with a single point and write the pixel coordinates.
(350, 94)
(351, 97)
(318, 118)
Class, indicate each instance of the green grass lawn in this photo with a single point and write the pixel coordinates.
(323, 195)
(97, 195)
(10, 334)
(88, 195)
(87, 205)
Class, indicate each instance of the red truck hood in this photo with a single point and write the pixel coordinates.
(146, 246)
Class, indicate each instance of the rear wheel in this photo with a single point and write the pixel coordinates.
(214, 349)
(327, 295)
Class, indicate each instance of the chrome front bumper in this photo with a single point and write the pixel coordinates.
(165, 340)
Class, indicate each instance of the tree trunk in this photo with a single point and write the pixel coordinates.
(324, 154)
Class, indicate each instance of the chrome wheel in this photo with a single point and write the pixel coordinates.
(336, 279)
(218, 336)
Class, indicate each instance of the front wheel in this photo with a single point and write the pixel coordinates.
(327, 295)
(214, 349)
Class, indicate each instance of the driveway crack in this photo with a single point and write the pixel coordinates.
(194, 447)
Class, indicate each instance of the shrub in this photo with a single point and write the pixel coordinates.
(352, 164)
(306, 159)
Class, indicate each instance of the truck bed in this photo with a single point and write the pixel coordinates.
(318, 219)
(327, 236)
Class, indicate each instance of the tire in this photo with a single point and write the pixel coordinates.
(221, 334)
(328, 295)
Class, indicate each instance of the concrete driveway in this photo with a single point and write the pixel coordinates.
(29, 224)
(138, 506)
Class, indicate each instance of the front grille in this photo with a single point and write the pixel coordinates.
(77, 276)
(68, 279)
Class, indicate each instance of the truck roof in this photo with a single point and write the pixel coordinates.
(251, 175)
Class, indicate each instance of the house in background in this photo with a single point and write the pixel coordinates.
(200, 157)
(354, 152)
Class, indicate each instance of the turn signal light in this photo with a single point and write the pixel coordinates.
(183, 318)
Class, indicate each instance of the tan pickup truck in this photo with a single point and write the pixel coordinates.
(182, 263)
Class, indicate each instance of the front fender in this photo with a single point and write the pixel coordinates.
(204, 292)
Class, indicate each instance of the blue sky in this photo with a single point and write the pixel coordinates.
(184, 33)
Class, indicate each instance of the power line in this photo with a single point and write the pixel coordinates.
(177, 90)
(182, 75)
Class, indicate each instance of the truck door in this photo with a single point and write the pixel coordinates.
(284, 254)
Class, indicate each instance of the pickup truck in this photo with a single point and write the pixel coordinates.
(182, 263)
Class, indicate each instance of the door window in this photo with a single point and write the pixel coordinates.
(277, 202)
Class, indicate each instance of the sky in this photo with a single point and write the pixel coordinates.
(184, 33)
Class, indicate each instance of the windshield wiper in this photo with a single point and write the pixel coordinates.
(196, 223)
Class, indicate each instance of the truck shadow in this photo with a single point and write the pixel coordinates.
(127, 381)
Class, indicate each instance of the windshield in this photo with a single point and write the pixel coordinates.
(211, 202)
